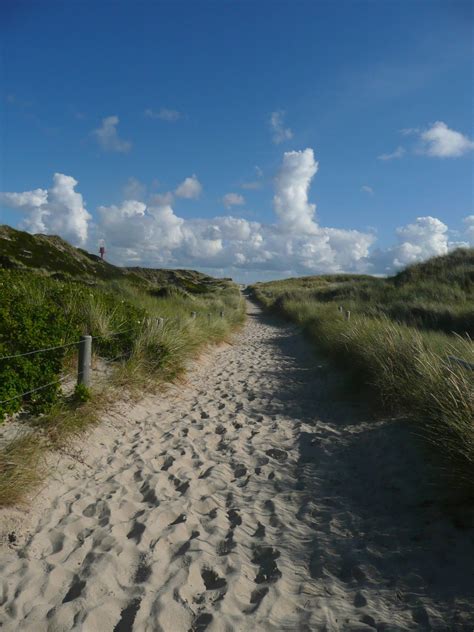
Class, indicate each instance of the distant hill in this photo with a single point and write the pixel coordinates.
(53, 256)
(457, 268)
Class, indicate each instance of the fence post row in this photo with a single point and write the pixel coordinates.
(84, 361)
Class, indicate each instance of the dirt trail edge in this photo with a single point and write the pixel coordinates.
(250, 498)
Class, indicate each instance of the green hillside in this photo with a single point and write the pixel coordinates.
(55, 257)
(436, 295)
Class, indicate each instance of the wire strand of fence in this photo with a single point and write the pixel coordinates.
(69, 344)
(27, 353)
(35, 390)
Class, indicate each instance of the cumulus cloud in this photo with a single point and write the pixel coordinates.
(233, 199)
(151, 233)
(291, 197)
(59, 210)
(441, 142)
(398, 153)
(190, 188)
(366, 189)
(163, 114)
(26, 200)
(280, 133)
(295, 244)
(424, 238)
(108, 138)
(438, 141)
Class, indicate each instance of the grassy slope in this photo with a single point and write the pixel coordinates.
(50, 293)
(56, 257)
(397, 342)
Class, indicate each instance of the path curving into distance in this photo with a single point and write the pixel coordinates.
(252, 498)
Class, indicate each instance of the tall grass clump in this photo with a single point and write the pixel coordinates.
(143, 332)
(408, 364)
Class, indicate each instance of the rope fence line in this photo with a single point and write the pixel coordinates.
(35, 390)
(85, 355)
(68, 344)
(27, 353)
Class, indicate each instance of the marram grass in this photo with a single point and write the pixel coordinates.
(153, 352)
(407, 366)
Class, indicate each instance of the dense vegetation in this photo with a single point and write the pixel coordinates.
(141, 322)
(399, 342)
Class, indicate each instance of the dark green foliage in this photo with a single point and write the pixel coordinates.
(82, 394)
(51, 293)
(38, 312)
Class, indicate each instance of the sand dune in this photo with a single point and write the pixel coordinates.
(249, 498)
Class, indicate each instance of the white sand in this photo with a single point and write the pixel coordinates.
(249, 498)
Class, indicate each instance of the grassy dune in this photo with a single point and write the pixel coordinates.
(397, 344)
(50, 307)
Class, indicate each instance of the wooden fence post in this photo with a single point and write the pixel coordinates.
(348, 315)
(84, 361)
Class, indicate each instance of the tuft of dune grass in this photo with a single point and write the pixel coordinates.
(159, 352)
(407, 369)
(22, 467)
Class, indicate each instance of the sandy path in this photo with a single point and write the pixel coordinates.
(252, 498)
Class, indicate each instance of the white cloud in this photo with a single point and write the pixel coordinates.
(152, 234)
(366, 189)
(233, 199)
(108, 138)
(441, 142)
(280, 132)
(164, 114)
(291, 197)
(26, 200)
(190, 188)
(295, 244)
(398, 153)
(60, 210)
(424, 238)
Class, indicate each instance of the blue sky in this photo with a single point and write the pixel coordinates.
(226, 91)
